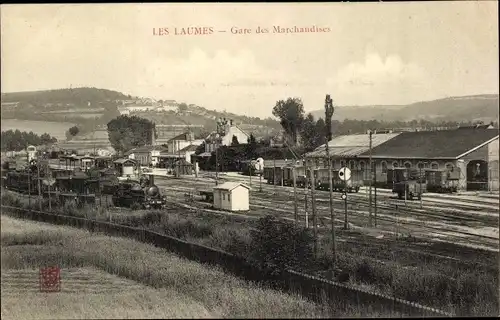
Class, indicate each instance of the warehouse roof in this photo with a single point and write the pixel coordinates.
(351, 145)
(446, 144)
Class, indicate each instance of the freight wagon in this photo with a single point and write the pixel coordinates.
(273, 175)
(352, 185)
(407, 183)
(300, 176)
(442, 180)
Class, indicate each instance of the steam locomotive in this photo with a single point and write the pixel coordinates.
(143, 194)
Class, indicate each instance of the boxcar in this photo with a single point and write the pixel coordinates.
(442, 180)
(408, 183)
(353, 184)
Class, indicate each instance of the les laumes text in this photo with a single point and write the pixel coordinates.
(191, 31)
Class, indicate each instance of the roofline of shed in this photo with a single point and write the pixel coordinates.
(479, 146)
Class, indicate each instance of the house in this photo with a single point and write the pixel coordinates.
(232, 196)
(188, 151)
(182, 141)
(225, 137)
(146, 155)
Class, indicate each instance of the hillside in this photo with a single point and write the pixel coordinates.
(465, 108)
(76, 96)
(85, 106)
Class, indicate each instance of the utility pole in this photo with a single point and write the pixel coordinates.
(39, 186)
(315, 218)
(306, 185)
(295, 208)
(371, 179)
(329, 109)
(29, 185)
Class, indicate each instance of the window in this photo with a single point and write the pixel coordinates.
(408, 165)
(223, 196)
(229, 197)
(384, 166)
(449, 167)
(351, 164)
(395, 164)
(434, 165)
(342, 163)
(420, 165)
(362, 165)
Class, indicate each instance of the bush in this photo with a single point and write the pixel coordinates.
(279, 245)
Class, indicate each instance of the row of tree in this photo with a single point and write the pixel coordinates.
(311, 133)
(16, 140)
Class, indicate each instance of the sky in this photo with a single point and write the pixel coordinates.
(372, 53)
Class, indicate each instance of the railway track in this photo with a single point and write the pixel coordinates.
(386, 213)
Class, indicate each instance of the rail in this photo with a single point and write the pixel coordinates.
(289, 280)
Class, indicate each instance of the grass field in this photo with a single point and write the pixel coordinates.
(105, 277)
(389, 266)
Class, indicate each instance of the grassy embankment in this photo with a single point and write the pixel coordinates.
(465, 289)
(146, 282)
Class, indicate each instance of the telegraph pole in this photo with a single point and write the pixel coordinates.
(315, 218)
(295, 209)
(371, 178)
(329, 109)
(39, 186)
(306, 185)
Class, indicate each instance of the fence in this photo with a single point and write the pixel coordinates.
(289, 280)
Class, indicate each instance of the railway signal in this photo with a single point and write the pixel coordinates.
(345, 175)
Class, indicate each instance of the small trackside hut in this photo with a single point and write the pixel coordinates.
(232, 196)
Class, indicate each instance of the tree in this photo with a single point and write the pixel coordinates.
(17, 140)
(291, 115)
(73, 131)
(308, 133)
(200, 149)
(182, 107)
(320, 133)
(127, 132)
(251, 147)
(235, 141)
(278, 245)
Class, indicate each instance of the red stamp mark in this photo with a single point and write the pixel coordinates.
(50, 279)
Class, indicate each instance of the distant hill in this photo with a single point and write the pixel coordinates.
(75, 96)
(82, 105)
(465, 108)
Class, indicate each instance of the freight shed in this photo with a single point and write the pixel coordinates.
(472, 153)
